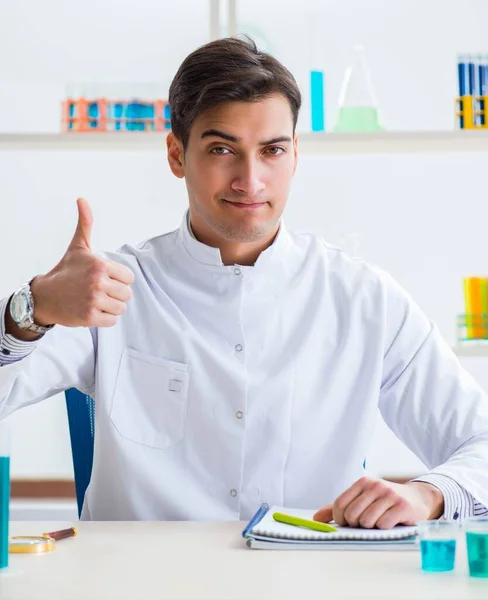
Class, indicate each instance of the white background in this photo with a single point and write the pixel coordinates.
(422, 217)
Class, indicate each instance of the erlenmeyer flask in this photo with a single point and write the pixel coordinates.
(358, 109)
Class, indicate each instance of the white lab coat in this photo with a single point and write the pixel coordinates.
(225, 386)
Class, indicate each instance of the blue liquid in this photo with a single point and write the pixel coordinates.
(135, 110)
(4, 507)
(118, 113)
(317, 100)
(93, 115)
(477, 545)
(438, 555)
(167, 116)
(462, 81)
(71, 112)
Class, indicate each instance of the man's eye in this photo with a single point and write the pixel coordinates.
(275, 150)
(220, 151)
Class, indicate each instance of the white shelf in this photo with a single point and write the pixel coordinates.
(394, 142)
(471, 350)
(309, 143)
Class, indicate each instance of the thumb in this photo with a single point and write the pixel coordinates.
(324, 514)
(82, 236)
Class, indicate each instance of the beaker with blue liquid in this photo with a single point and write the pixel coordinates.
(438, 540)
(476, 530)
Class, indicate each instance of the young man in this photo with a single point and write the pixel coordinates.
(233, 362)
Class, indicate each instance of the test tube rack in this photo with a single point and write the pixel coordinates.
(103, 114)
(472, 112)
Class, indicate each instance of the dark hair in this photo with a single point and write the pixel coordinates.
(225, 70)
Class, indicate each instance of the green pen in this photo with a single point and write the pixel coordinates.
(299, 522)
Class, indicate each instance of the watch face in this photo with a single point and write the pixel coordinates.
(18, 307)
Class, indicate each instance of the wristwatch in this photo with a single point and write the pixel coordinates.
(22, 310)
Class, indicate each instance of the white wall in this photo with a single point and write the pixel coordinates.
(421, 217)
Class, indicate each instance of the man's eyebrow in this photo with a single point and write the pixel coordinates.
(276, 140)
(232, 138)
(221, 134)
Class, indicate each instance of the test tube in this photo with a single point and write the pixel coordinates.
(317, 100)
(463, 85)
(481, 91)
(473, 87)
(4, 492)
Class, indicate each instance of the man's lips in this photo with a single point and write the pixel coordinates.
(246, 205)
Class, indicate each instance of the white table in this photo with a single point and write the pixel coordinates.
(145, 561)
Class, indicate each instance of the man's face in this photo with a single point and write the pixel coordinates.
(238, 166)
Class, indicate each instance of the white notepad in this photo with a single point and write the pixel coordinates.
(268, 527)
(272, 531)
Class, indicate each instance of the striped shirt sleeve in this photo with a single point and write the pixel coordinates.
(11, 349)
(458, 503)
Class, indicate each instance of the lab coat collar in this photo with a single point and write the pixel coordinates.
(206, 255)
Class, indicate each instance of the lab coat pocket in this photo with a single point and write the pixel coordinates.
(150, 399)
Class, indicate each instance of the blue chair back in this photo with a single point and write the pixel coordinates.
(81, 419)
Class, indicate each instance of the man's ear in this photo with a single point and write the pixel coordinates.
(295, 150)
(176, 158)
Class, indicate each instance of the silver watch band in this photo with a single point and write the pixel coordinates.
(35, 328)
(28, 323)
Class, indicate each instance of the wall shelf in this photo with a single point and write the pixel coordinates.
(470, 350)
(309, 143)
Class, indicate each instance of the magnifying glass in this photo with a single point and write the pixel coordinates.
(34, 544)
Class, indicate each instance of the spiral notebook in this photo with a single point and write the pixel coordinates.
(263, 532)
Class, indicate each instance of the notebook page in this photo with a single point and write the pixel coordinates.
(268, 527)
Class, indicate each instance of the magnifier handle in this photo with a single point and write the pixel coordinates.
(61, 534)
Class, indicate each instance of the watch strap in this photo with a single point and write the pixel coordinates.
(28, 323)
